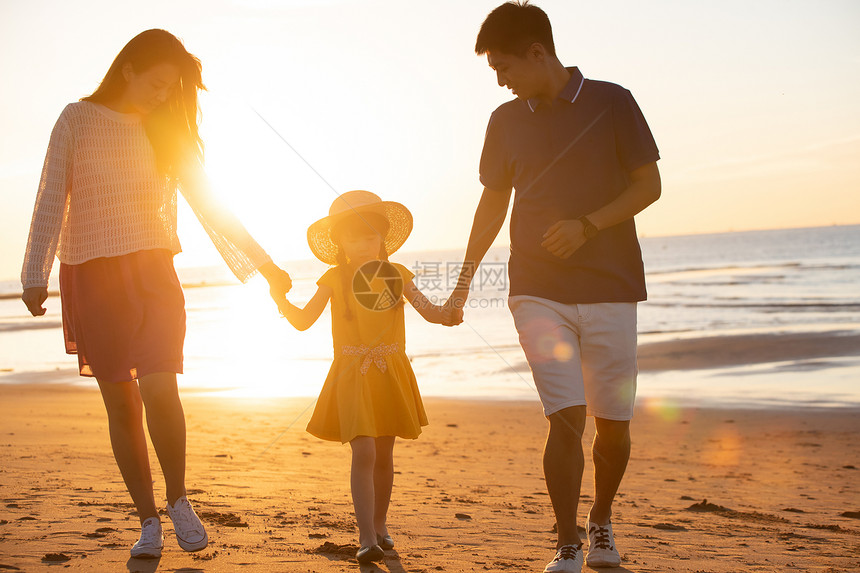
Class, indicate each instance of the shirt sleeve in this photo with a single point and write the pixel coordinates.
(329, 278)
(633, 140)
(495, 168)
(405, 273)
(236, 246)
(52, 202)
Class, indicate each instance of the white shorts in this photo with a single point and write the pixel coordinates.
(580, 354)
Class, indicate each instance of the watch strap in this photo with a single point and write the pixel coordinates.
(588, 228)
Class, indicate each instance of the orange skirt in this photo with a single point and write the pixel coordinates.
(124, 316)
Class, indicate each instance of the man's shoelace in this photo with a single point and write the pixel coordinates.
(567, 552)
(601, 538)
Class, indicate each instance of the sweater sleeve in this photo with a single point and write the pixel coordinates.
(238, 249)
(52, 202)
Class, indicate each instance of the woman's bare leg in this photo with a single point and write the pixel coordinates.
(165, 419)
(124, 409)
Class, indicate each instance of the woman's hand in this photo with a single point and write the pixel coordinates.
(279, 281)
(284, 307)
(34, 297)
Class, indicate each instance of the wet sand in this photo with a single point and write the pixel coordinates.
(722, 351)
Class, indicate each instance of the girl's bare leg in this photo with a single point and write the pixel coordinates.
(383, 480)
(124, 409)
(361, 483)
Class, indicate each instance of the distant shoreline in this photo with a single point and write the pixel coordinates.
(706, 352)
(412, 253)
(805, 349)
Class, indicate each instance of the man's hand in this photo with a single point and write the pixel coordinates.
(34, 297)
(564, 238)
(454, 306)
(451, 316)
(279, 281)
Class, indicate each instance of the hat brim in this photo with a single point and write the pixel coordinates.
(399, 220)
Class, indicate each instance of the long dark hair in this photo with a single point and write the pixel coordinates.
(172, 127)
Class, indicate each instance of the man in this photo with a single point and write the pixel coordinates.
(582, 161)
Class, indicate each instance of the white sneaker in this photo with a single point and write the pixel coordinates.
(601, 546)
(189, 530)
(151, 540)
(567, 559)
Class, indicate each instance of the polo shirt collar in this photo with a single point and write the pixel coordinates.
(569, 93)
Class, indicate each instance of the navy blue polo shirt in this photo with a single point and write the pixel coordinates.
(564, 160)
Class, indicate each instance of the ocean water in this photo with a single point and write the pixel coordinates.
(796, 280)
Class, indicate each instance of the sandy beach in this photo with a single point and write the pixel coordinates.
(707, 490)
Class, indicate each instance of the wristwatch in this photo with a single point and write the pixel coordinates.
(588, 228)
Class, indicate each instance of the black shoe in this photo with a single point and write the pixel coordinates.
(370, 554)
(384, 541)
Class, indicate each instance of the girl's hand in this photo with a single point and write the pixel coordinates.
(279, 281)
(453, 307)
(303, 318)
(283, 306)
(34, 297)
(452, 316)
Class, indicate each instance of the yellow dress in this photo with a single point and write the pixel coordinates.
(370, 389)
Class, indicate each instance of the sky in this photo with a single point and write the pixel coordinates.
(754, 106)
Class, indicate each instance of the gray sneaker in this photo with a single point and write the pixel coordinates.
(568, 559)
(601, 546)
(189, 530)
(151, 540)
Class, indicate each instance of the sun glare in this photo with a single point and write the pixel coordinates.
(256, 177)
(238, 343)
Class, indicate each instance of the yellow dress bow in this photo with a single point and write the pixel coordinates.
(372, 355)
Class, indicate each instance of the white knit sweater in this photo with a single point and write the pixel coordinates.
(100, 195)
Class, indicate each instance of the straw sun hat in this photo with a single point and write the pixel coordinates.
(358, 203)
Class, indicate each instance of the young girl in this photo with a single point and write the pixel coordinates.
(370, 395)
(107, 207)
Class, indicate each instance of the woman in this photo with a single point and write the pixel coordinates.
(106, 207)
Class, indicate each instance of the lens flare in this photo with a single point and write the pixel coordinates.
(666, 409)
(562, 351)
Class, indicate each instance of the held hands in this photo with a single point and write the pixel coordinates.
(34, 298)
(452, 310)
(564, 238)
(283, 306)
(452, 316)
(279, 282)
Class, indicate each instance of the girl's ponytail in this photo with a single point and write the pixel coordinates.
(383, 256)
(346, 282)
